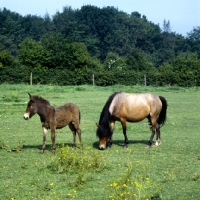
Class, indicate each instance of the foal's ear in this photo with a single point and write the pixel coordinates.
(29, 95)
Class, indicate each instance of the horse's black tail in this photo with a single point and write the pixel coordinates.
(163, 114)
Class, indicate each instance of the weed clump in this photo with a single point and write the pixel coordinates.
(135, 183)
(71, 160)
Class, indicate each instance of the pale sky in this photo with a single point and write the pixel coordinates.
(184, 15)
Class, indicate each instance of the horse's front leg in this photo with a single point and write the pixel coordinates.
(112, 124)
(45, 131)
(123, 122)
(109, 142)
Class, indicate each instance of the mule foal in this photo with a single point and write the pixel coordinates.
(54, 118)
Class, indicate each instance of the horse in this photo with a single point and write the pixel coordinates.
(54, 118)
(126, 107)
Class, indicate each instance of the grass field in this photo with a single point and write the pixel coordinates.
(171, 171)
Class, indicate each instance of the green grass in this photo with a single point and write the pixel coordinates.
(170, 171)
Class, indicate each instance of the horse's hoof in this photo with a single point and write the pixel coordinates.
(108, 147)
(148, 147)
(125, 146)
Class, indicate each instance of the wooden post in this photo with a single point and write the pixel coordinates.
(93, 79)
(31, 79)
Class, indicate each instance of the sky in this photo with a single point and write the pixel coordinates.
(183, 15)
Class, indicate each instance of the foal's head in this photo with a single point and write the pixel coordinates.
(33, 106)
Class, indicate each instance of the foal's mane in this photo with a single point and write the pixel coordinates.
(40, 100)
(105, 114)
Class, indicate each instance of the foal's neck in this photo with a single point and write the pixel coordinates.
(45, 112)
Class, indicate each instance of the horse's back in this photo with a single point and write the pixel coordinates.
(133, 107)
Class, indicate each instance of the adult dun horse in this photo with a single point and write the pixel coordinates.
(126, 107)
(54, 118)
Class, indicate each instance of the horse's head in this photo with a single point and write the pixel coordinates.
(102, 133)
(31, 108)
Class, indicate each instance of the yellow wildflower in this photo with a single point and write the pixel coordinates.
(124, 185)
(114, 184)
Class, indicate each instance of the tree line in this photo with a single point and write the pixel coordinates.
(118, 48)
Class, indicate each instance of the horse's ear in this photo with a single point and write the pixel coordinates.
(97, 125)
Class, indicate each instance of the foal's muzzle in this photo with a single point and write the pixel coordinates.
(26, 116)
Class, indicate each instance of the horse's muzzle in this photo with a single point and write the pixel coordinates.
(102, 147)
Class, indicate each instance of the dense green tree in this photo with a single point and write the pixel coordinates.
(31, 53)
(193, 39)
(6, 59)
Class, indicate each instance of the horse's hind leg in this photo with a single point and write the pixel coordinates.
(153, 124)
(158, 141)
(123, 122)
(155, 129)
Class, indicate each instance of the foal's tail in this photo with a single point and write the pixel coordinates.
(79, 117)
(163, 113)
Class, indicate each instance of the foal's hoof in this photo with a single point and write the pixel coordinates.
(148, 147)
(125, 146)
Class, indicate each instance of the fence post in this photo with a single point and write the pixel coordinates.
(31, 79)
(93, 79)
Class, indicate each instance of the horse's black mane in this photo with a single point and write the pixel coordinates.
(40, 100)
(105, 115)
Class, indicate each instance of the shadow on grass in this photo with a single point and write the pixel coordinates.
(121, 143)
(48, 146)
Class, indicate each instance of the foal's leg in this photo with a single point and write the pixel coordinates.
(74, 126)
(53, 138)
(45, 131)
(78, 130)
(123, 122)
(79, 136)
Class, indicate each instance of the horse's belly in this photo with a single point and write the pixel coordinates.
(135, 119)
(137, 116)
